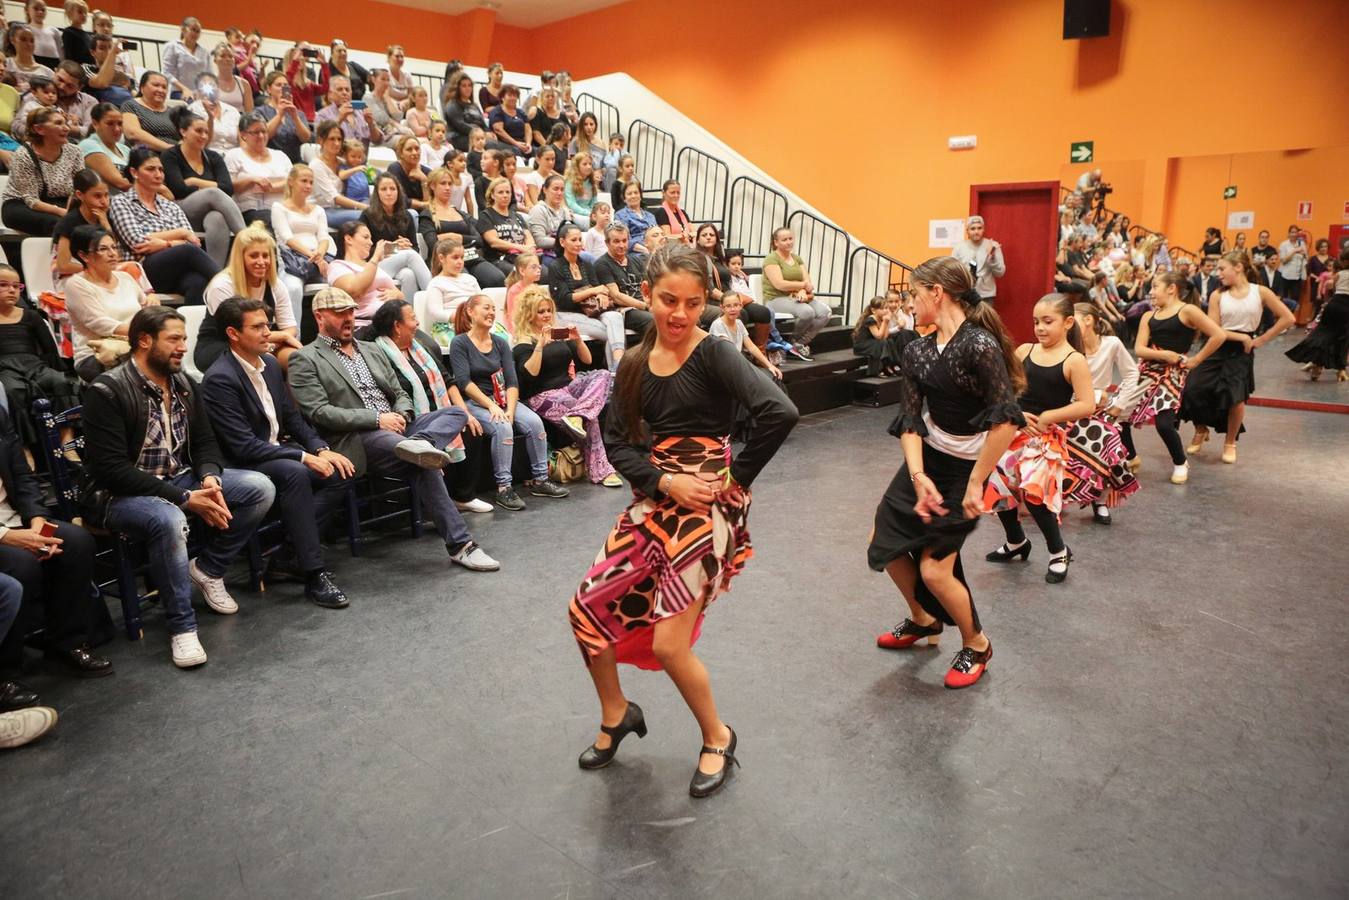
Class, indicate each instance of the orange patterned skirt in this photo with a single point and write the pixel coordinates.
(1031, 471)
(660, 558)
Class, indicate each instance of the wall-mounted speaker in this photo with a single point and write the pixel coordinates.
(1085, 19)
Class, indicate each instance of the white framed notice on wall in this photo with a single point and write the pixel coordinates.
(944, 234)
(1237, 220)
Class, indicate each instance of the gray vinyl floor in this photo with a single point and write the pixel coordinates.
(1171, 722)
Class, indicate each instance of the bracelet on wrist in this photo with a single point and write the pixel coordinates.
(913, 476)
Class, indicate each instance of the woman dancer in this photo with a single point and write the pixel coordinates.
(1058, 392)
(1326, 345)
(1098, 470)
(967, 375)
(1215, 396)
(1165, 334)
(684, 537)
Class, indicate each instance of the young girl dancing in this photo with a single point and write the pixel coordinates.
(1058, 393)
(1215, 397)
(957, 414)
(1165, 335)
(685, 536)
(1098, 471)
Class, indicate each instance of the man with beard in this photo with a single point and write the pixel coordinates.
(349, 390)
(153, 460)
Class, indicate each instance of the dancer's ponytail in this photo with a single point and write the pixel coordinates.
(958, 282)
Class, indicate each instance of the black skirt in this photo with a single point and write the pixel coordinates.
(900, 532)
(882, 354)
(1220, 382)
(1328, 344)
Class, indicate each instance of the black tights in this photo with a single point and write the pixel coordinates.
(1168, 429)
(1047, 522)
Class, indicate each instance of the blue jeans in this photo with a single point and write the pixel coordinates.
(11, 596)
(337, 216)
(528, 425)
(439, 428)
(163, 527)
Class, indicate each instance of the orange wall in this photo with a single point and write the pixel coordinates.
(363, 24)
(854, 109)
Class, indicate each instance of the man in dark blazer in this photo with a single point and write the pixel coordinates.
(44, 564)
(1206, 282)
(259, 427)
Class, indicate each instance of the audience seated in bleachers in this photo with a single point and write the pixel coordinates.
(252, 274)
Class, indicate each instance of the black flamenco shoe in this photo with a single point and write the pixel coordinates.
(1066, 559)
(707, 785)
(1100, 514)
(633, 720)
(1005, 553)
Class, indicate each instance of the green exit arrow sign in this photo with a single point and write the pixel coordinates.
(1229, 192)
(1082, 151)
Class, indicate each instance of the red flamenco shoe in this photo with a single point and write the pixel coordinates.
(907, 633)
(968, 667)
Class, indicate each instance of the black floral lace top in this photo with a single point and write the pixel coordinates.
(965, 385)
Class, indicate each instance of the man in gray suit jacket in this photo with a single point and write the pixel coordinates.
(350, 393)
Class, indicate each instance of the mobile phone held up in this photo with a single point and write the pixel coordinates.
(131, 45)
(358, 104)
(309, 53)
(561, 334)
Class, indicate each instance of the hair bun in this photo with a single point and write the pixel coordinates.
(970, 296)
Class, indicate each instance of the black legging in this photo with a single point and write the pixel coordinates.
(21, 217)
(184, 269)
(1169, 432)
(1047, 522)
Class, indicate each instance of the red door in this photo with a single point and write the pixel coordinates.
(1023, 217)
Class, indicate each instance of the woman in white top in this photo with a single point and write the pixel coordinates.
(1216, 391)
(100, 301)
(221, 118)
(339, 208)
(400, 80)
(545, 164)
(461, 194)
(184, 59)
(449, 288)
(19, 60)
(253, 273)
(47, 38)
(301, 229)
(1099, 469)
(258, 172)
(233, 90)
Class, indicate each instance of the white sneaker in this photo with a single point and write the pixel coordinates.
(474, 558)
(187, 650)
(23, 726)
(1180, 474)
(422, 453)
(212, 591)
(475, 505)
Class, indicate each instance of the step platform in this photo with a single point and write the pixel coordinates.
(823, 383)
(875, 391)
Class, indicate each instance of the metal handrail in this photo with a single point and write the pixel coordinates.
(748, 232)
(607, 119)
(653, 149)
(704, 180)
(823, 246)
(876, 274)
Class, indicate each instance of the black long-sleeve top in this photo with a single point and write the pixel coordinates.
(562, 285)
(22, 489)
(463, 118)
(177, 170)
(388, 229)
(554, 368)
(966, 384)
(699, 400)
(432, 230)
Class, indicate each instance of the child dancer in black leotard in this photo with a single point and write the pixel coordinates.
(957, 414)
(1165, 335)
(1058, 393)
